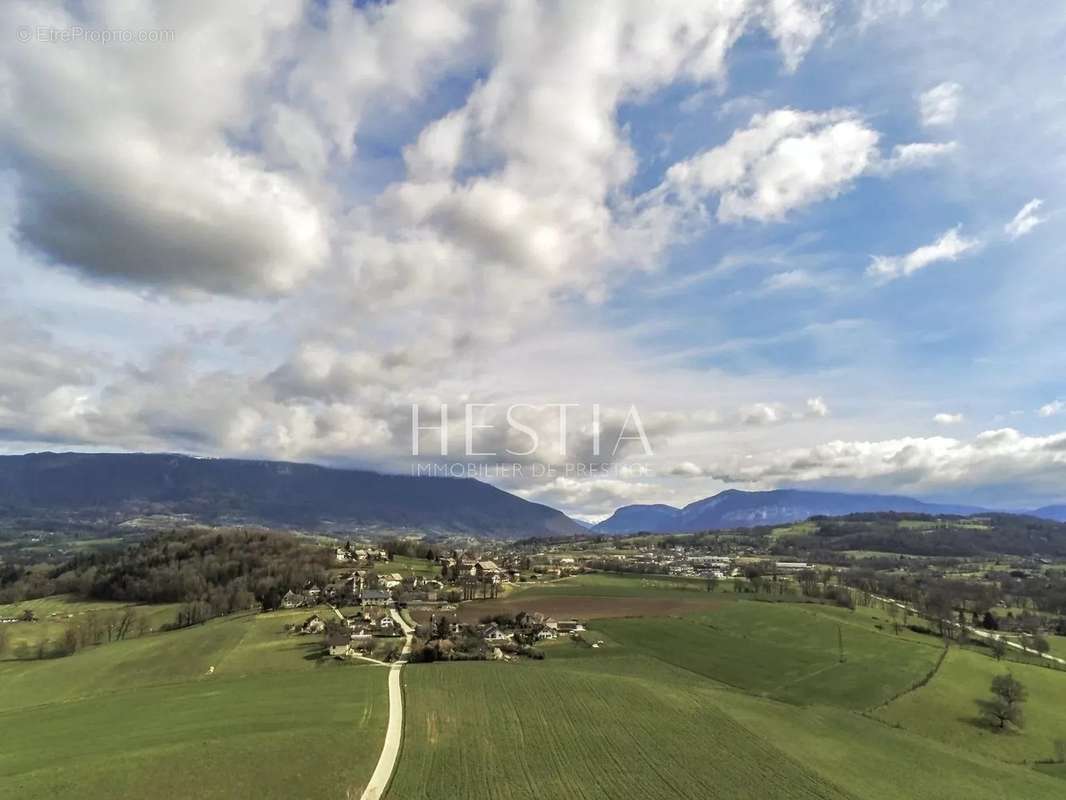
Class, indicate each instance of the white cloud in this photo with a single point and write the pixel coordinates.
(796, 24)
(947, 248)
(945, 418)
(686, 469)
(875, 11)
(993, 458)
(817, 407)
(1025, 220)
(940, 105)
(917, 154)
(791, 279)
(782, 161)
(1052, 409)
(761, 414)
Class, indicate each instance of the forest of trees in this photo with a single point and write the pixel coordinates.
(1007, 534)
(214, 571)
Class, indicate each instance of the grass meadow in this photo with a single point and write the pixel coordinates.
(944, 710)
(786, 651)
(688, 694)
(148, 717)
(606, 725)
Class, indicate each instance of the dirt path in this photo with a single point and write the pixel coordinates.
(390, 752)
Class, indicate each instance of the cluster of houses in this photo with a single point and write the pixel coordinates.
(360, 555)
(367, 588)
(355, 635)
(447, 638)
(474, 577)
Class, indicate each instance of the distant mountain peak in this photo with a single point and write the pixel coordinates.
(737, 508)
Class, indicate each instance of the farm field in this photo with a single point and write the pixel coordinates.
(612, 726)
(790, 652)
(147, 717)
(944, 709)
(597, 596)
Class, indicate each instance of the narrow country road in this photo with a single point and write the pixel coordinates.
(390, 752)
(983, 634)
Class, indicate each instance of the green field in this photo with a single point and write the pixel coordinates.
(55, 614)
(614, 726)
(790, 652)
(688, 694)
(148, 717)
(944, 710)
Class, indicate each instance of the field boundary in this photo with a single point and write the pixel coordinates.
(916, 685)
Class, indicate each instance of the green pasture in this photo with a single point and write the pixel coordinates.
(149, 717)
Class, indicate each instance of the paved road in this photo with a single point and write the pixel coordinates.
(379, 781)
(975, 631)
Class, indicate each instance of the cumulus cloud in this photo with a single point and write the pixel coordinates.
(782, 161)
(945, 418)
(760, 414)
(817, 407)
(686, 469)
(1025, 220)
(150, 189)
(995, 457)
(1052, 409)
(940, 104)
(596, 497)
(949, 247)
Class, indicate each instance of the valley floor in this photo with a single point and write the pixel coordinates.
(718, 697)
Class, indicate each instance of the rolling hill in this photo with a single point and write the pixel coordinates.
(1056, 513)
(739, 509)
(112, 487)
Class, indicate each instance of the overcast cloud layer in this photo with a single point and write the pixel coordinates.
(812, 243)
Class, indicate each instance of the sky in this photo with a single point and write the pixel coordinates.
(794, 243)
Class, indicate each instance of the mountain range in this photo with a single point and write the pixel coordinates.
(738, 509)
(108, 487)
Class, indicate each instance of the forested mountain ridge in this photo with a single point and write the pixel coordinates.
(113, 487)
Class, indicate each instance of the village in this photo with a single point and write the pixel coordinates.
(374, 588)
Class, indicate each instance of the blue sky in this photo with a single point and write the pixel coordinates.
(813, 243)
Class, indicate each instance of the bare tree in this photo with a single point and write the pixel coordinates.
(999, 648)
(1005, 707)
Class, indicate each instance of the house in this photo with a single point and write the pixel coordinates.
(792, 566)
(494, 635)
(361, 637)
(546, 633)
(569, 626)
(487, 570)
(339, 646)
(313, 624)
(313, 591)
(374, 597)
(292, 600)
(391, 580)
